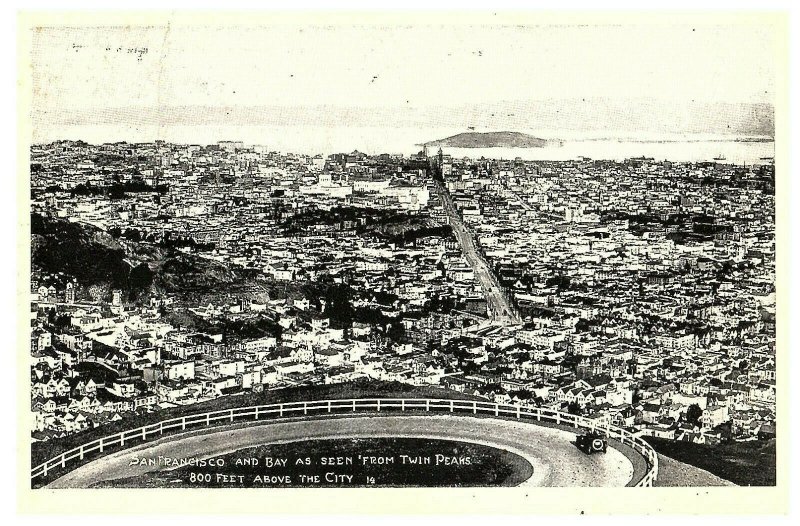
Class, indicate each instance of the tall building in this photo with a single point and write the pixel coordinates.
(69, 295)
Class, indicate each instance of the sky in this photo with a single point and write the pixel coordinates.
(130, 83)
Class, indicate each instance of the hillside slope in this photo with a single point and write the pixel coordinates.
(503, 139)
(101, 263)
(742, 463)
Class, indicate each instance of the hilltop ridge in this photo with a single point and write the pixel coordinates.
(501, 139)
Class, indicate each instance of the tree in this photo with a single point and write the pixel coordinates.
(396, 332)
(522, 394)
(561, 282)
(693, 414)
(62, 320)
(743, 365)
(140, 278)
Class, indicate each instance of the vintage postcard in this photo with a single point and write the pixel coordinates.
(395, 263)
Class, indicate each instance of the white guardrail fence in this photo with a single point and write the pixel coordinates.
(139, 435)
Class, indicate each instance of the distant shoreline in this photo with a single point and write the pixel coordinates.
(675, 141)
(505, 139)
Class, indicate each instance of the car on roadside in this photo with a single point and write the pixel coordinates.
(592, 442)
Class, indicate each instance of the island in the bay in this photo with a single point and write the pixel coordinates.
(501, 139)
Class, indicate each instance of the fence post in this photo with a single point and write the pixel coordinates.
(623, 437)
(280, 410)
(577, 421)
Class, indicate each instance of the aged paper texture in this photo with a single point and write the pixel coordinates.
(518, 262)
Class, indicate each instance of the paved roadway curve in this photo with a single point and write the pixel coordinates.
(500, 308)
(555, 459)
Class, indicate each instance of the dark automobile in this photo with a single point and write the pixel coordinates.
(592, 442)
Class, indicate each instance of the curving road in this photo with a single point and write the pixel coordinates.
(555, 459)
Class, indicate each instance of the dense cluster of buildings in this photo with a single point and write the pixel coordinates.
(645, 289)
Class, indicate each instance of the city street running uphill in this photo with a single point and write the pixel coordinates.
(501, 309)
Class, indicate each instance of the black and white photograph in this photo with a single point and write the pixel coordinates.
(331, 251)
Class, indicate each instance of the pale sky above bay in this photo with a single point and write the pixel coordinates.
(616, 80)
